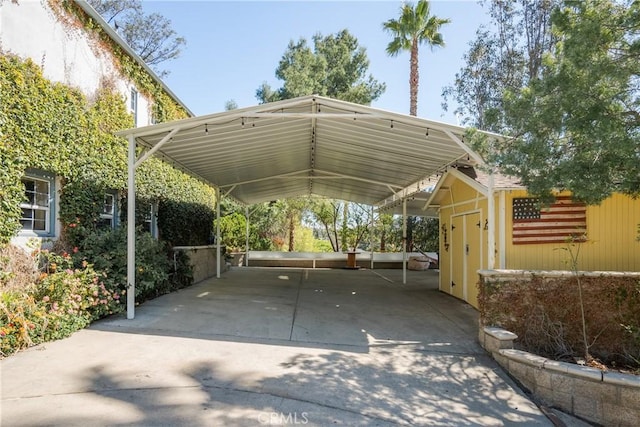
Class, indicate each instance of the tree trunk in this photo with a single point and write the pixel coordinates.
(383, 243)
(410, 224)
(292, 229)
(336, 238)
(345, 229)
(413, 79)
(333, 239)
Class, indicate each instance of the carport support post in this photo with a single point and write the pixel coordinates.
(246, 246)
(218, 233)
(371, 237)
(131, 230)
(491, 222)
(404, 241)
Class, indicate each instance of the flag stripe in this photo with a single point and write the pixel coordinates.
(558, 222)
(543, 239)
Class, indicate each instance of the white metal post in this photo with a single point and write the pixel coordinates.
(131, 230)
(404, 241)
(502, 238)
(371, 237)
(491, 225)
(246, 246)
(218, 233)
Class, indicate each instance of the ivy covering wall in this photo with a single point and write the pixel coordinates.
(55, 128)
(58, 130)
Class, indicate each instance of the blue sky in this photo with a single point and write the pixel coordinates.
(234, 46)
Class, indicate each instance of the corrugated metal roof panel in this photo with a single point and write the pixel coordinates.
(310, 145)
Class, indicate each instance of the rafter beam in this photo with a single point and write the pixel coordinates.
(333, 175)
(266, 178)
(464, 146)
(156, 147)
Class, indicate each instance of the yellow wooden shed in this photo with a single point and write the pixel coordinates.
(523, 235)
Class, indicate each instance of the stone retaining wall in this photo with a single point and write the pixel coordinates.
(203, 260)
(606, 398)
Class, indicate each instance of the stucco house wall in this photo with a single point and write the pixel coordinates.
(31, 29)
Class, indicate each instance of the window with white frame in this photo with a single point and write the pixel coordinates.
(37, 204)
(133, 105)
(151, 220)
(109, 208)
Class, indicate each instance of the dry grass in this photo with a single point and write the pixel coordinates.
(545, 314)
(18, 270)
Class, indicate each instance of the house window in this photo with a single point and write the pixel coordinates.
(37, 205)
(151, 220)
(108, 215)
(134, 105)
(152, 116)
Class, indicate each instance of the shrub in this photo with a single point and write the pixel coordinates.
(185, 224)
(157, 272)
(48, 296)
(60, 301)
(545, 314)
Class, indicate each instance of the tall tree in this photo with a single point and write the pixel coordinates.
(577, 126)
(504, 58)
(266, 225)
(151, 36)
(328, 213)
(386, 226)
(336, 67)
(230, 105)
(111, 9)
(291, 211)
(426, 234)
(414, 27)
(344, 224)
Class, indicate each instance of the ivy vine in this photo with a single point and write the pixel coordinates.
(53, 127)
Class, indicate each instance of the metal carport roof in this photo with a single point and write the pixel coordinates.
(309, 145)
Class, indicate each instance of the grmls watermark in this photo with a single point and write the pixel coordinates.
(281, 418)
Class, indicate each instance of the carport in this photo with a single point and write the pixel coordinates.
(310, 145)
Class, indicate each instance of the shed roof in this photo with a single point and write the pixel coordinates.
(475, 178)
(310, 145)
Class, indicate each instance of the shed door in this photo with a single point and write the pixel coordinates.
(473, 248)
(457, 256)
(465, 256)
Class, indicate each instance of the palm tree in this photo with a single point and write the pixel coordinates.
(414, 27)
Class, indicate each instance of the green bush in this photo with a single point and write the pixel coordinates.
(56, 128)
(185, 224)
(156, 271)
(73, 289)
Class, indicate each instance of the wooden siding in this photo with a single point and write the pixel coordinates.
(612, 229)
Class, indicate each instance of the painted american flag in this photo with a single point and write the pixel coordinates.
(557, 223)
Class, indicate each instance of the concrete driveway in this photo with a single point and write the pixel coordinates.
(273, 347)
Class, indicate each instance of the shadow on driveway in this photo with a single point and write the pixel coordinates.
(273, 347)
